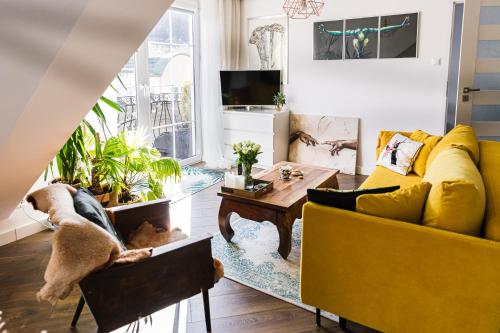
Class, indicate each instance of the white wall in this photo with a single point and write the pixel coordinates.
(386, 94)
(56, 59)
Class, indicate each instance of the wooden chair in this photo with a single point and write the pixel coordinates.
(122, 294)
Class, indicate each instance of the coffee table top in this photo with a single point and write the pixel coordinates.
(286, 193)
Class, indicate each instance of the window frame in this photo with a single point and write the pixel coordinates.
(143, 82)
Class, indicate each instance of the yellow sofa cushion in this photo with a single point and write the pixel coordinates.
(383, 139)
(463, 136)
(457, 198)
(430, 142)
(489, 165)
(383, 177)
(403, 205)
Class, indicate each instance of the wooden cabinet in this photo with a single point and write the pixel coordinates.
(268, 128)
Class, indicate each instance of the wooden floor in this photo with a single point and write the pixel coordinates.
(234, 307)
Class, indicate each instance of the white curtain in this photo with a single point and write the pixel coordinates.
(211, 108)
(230, 14)
(219, 46)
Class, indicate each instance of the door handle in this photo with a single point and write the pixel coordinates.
(468, 90)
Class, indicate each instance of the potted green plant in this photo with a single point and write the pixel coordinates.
(72, 160)
(279, 100)
(247, 152)
(133, 169)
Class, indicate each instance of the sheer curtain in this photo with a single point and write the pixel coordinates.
(218, 50)
(230, 12)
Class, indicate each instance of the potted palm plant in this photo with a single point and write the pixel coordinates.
(133, 169)
(72, 162)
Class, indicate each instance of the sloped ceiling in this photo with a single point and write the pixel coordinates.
(56, 59)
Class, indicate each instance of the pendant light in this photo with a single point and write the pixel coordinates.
(302, 9)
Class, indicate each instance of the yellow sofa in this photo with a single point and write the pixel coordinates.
(401, 277)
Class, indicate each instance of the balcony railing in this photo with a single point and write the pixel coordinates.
(170, 112)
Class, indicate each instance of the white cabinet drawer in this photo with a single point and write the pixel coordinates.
(248, 122)
(263, 139)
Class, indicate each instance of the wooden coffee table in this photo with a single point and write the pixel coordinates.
(281, 206)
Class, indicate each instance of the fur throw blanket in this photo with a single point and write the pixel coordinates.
(79, 247)
(148, 235)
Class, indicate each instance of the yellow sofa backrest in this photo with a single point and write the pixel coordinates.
(489, 166)
(484, 153)
(462, 136)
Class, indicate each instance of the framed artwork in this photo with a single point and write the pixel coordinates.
(398, 36)
(328, 40)
(390, 36)
(361, 38)
(268, 43)
(325, 141)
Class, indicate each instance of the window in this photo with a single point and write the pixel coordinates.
(158, 90)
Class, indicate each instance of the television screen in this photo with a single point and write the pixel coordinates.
(249, 87)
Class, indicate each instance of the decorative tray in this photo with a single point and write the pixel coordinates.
(260, 188)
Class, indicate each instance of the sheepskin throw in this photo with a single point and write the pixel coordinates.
(79, 247)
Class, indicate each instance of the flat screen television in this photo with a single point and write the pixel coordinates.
(249, 88)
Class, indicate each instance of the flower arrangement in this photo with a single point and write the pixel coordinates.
(247, 152)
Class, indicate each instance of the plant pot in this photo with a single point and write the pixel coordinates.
(103, 198)
(59, 180)
(134, 200)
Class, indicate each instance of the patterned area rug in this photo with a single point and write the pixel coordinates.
(252, 259)
(194, 179)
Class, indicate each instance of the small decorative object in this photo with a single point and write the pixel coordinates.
(285, 172)
(279, 101)
(302, 9)
(247, 152)
(268, 43)
(234, 181)
(298, 173)
(229, 180)
(239, 182)
(326, 141)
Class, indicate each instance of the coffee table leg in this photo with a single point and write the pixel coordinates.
(284, 225)
(224, 220)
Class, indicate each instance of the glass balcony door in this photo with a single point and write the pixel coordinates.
(163, 101)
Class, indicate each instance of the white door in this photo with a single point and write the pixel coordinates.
(478, 98)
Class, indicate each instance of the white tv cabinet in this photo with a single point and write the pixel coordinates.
(268, 128)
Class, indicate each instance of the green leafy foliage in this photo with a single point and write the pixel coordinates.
(133, 168)
(72, 159)
(279, 99)
(125, 164)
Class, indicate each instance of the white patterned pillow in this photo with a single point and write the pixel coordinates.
(399, 154)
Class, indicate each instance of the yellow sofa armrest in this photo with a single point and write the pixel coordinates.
(398, 277)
